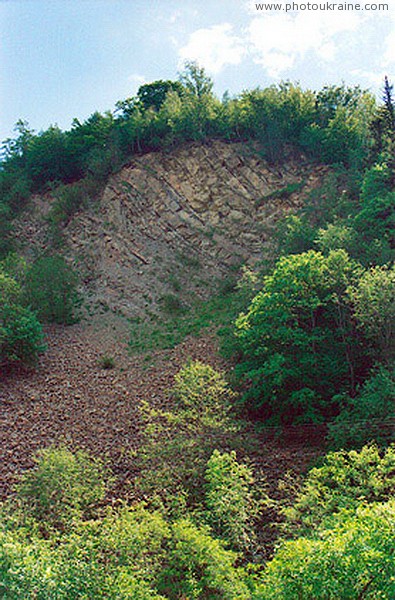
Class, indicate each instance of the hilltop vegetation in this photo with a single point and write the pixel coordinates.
(308, 337)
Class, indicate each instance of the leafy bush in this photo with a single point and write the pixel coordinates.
(229, 499)
(51, 290)
(186, 435)
(199, 567)
(62, 487)
(201, 389)
(21, 337)
(345, 481)
(373, 299)
(368, 416)
(351, 560)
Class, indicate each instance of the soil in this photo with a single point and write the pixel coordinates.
(69, 398)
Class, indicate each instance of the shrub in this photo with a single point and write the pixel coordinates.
(367, 417)
(51, 290)
(201, 390)
(136, 538)
(62, 487)
(344, 481)
(186, 436)
(229, 498)
(21, 337)
(199, 567)
(354, 559)
(106, 362)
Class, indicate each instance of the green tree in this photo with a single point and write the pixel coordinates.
(153, 95)
(373, 299)
(63, 487)
(297, 341)
(51, 289)
(229, 499)
(21, 337)
(369, 415)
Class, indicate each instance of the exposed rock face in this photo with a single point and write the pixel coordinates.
(173, 222)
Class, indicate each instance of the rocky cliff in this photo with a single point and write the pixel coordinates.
(174, 222)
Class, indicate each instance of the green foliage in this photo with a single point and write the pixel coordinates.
(49, 158)
(187, 436)
(297, 341)
(352, 559)
(199, 567)
(20, 333)
(368, 416)
(21, 337)
(153, 95)
(51, 289)
(229, 499)
(295, 235)
(62, 487)
(373, 298)
(106, 362)
(344, 481)
(134, 537)
(376, 183)
(201, 390)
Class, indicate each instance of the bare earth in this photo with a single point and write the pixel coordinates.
(69, 398)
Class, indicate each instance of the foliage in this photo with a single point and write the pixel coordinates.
(62, 487)
(201, 390)
(229, 499)
(106, 362)
(373, 299)
(199, 567)
(153, 95)
(352, 559)
(51, 289)
(297, 341)
(369, 415)
(187, 435)
(344, 481)
(21, 338)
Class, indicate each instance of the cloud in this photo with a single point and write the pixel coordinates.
(278, 40)
(214, 48)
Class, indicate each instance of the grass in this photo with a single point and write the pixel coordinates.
(282, 193)
(169, 329)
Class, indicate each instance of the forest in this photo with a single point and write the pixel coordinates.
(307, 337)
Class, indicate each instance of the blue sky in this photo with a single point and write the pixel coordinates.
(61, 59)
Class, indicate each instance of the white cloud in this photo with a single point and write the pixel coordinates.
(214, 48)
(277, 40)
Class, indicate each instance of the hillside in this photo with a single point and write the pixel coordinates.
(196, 349)
(178, 220)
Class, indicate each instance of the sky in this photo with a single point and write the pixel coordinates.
(65, 59)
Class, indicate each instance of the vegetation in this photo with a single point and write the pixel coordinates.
(310, 337)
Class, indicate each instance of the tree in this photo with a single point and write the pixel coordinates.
(153, 95)
(198, 102)
(352, 560)
(389, 103)
(373, 299)
(21, 334)
(51, 289)
(297, 341)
